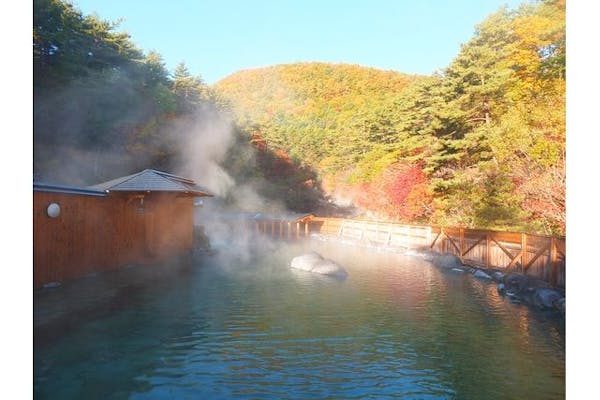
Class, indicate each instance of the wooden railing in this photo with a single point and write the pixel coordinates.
(279, 229)
(543, 257)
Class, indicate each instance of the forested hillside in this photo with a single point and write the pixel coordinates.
(101, 104)
(481, 144)
(103, 108)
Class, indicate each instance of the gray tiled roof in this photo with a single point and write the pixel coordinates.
(150, 180)
(59, 188)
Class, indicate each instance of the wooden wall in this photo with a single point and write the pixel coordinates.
(95, 233)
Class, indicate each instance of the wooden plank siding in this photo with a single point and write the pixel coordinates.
(543, 257)
(94, 233)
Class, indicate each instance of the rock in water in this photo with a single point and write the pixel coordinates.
(501, 288)
(546, 298)
(561, 305)
(515, 282)
(329, 267)
(498, 276)
(314, 262)
(306, 262)
(412, 253)
(481, 275)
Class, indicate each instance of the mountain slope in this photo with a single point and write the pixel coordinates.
(317, 112)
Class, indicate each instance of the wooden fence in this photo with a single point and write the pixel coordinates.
(280, 229)
(543, 257)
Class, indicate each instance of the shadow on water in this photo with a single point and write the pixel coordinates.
(63, 309)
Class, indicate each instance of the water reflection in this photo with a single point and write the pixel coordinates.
(396, 327)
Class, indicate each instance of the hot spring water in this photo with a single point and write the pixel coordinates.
(251, 327)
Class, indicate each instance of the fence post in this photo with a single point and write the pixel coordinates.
(554, 261)
(429, 243)
(523, 251)
(461, 244)
(488, 253)
(443, 236)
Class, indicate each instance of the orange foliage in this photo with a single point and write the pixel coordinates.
(398, 193)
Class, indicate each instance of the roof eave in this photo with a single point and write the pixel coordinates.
(148, 191)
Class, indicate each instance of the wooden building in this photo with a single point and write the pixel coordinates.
(140, 218)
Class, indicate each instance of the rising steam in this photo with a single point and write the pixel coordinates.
(68, 150)
(203, 140)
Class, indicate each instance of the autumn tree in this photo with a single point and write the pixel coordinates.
(487, 131)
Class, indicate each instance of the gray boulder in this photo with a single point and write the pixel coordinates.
(413, 253)
(498, 276)
(561, 305)
(546, 298)
(314, 262)
(329, 267)
(306, 262)
(515, 282)
(501, 288)
(425, 254)
(481, 275)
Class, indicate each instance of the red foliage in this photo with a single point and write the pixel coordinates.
(283, 157)
(258, 141)
(399, 193)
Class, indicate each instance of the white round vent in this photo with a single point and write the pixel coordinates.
(53, 210)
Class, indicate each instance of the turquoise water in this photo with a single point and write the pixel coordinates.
(249, 327)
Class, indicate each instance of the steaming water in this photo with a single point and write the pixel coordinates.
(253, 328)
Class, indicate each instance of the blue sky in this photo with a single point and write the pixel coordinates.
(219, 37)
